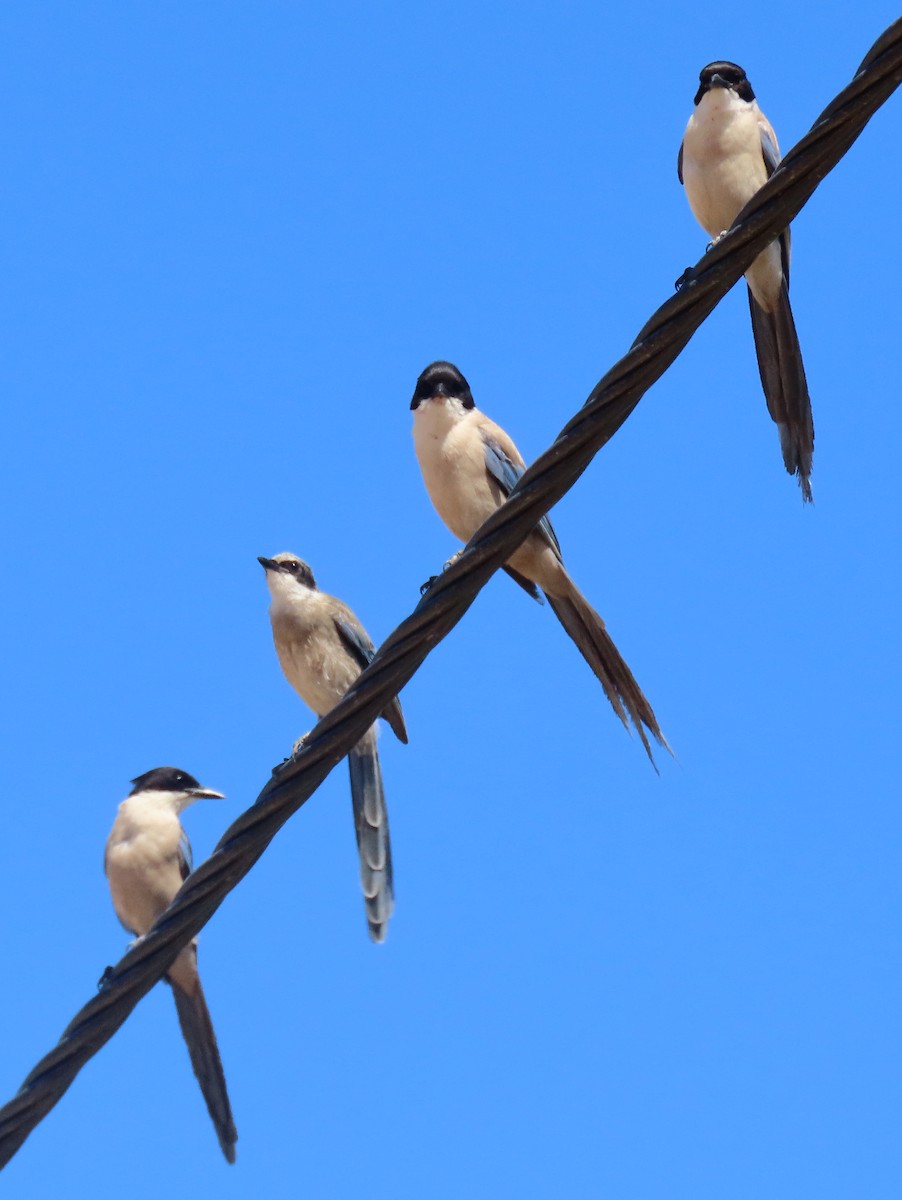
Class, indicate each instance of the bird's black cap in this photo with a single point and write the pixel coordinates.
(168, 779)
(726, 75)
(442, 379)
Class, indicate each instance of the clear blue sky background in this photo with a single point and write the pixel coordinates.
(233, 234)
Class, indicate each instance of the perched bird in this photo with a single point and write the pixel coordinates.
(470, 466)
(147, 859)
(729, 151)
(322, 648)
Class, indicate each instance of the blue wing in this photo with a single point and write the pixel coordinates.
(771, 156)
(186, 858)
(506, 473)
(356, 641)
(769, 152)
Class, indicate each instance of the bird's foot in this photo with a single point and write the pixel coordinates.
(689, 274)
(289, 758)
(686, 278)
(104, 981)
(298, 746)
(424, 587)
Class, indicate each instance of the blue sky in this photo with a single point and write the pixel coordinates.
(233, 236)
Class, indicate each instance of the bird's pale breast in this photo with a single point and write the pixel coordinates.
(451, 455)
(310, 652)
(142, 864)
(723, 165)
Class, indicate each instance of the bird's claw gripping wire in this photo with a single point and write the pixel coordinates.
(689, 274)
(424, 587)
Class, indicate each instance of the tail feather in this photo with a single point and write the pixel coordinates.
(395, 717)
(197, 1030)
(371, 828)
(785, 386)
(596, 645)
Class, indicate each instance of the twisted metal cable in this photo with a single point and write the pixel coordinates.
(544, 483)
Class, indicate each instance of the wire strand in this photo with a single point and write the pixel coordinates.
(610, 403)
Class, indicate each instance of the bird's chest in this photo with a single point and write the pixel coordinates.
(452, 459)
(723, 165)
(309, 657)
(149, 836)
(143, 868)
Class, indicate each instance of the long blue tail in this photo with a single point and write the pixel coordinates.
(371, 828)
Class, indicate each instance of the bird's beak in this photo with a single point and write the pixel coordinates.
(268, 564)
(719, 81)
(202, 793)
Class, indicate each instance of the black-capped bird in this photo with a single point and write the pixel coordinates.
(470, 466)
(729, 151)
(148, 857)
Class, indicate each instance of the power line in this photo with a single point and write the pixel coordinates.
(544, 483)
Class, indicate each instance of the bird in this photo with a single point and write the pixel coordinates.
(470, 466)
(729, 151)
(148, 857)
(322, 648)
